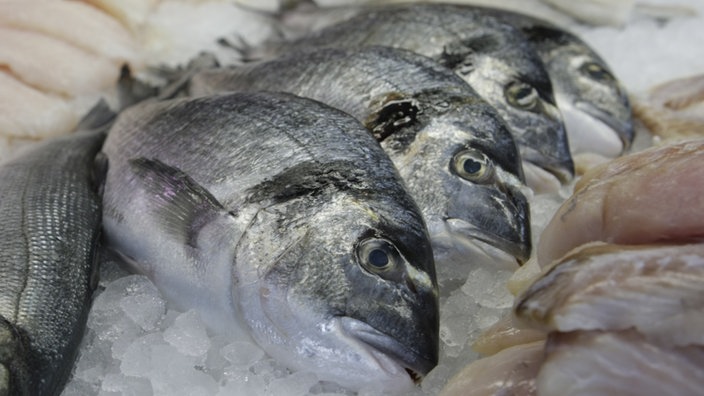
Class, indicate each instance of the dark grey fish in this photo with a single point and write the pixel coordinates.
(50, 208)
(454, 152)
(593, 103)
(491, 55)
(282, 218)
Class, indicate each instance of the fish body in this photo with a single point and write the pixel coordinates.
(51, 213)
(492, 56)
(281, 217)
(431, 124)
(593, 103)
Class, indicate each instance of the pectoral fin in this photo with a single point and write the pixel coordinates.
(183, 207)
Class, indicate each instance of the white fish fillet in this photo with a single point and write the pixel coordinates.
(674, 110)
(642, 198)
(659, 290)
(177, 31)
(505, 333)
(624, 364)
(53, 65)
(509, 372)
(28, 113)
(132, 13)
(75, 23)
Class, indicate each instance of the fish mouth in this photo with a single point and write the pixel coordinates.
(539, 179)
(517, 243)
(562, 170)
(498, 217)
(548, 146)
(623, 129)
(390, 354)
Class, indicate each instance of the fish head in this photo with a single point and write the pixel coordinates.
(464, 170)
(594, 104)
(348, 290)
(514, 81)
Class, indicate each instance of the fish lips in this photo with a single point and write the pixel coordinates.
(622, 128)
(417, 361)
(502, 221)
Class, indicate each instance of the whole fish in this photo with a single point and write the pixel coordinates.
(491, 55)
(594, 104)
(51, 213)
(454, 152)
(283, 218)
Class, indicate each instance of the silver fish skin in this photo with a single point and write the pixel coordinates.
(433, 126)
(281, 218)
(494, 57)
(594, 104)
(51, 212)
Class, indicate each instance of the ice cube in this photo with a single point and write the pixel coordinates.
(296, 384)
(188, 334)
(242, 353)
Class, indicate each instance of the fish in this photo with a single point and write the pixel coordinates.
(641, 198)
(618, 363)
(492, 56)
(655, 289)
(51, 209)
(511, 371)
(278, 218)
(594, 104)
(455, 154)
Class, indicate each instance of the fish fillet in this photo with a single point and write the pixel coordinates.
(131, 13)
(52, 65)
(641, 198)
(505, 333)
(655, 289)
(674, 110)
(624, 364)
(509, 372)
(29, 113)
(75, 23)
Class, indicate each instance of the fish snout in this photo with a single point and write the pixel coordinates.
(499, 217)
(619, 122)
(547, 146)
(417, 353)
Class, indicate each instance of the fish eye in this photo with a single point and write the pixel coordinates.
(377, 255)
(596, 71)
(521, 95)
(472, 165)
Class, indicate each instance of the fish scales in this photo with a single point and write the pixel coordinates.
(51, 215)
(491, 55)
(280, 218)
(425, 117)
